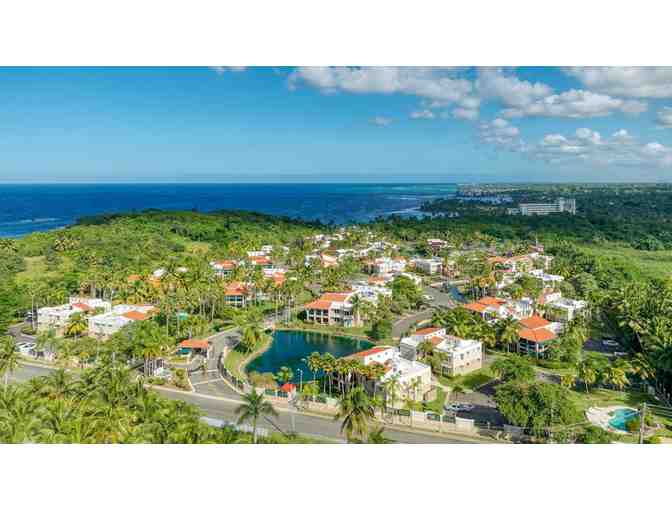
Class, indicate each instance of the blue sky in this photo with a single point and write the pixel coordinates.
(376, 124)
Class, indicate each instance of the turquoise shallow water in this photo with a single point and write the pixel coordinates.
(28, 208)
(621, 417)
(289, 348)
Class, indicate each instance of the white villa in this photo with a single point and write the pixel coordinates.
(428, 266)
(384, 265)
(406, 372)
(462, 355)
(565, 310)
(547, 279)
(103, 325)
(57, 317)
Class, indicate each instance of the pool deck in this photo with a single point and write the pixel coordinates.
(600, 416)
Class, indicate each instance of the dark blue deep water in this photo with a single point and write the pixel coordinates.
(289, 348)
(26, 208)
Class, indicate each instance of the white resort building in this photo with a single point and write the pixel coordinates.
(57, 317)
(103, 325)
(461, 355)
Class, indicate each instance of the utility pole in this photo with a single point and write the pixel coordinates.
(642, 417)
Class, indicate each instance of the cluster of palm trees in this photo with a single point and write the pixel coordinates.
(103, 405)
(595, 369)
(342, 374)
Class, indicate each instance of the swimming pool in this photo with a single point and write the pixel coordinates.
(622, 416)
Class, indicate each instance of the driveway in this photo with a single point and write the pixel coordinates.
(439, 298)
(400, 327)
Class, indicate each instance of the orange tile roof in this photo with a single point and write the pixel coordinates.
(261, 260)
(537, 335)
(341, 297)
(534, 322)
(226, 264)
(134, 278)
(475, 307)
(288, 387)
(319, 305)
(491, 301)
(426, 331)
(135, 316)
(368, 352)
(235, 289)
(195, 343)
(82, 306)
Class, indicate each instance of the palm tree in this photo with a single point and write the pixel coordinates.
(588, 372)
(376, 436)
(9, 358)
(254, 406)
(508, 332)
(284, 375)
(77, 325)
(355, 409)
(314, 362)
(356, 303)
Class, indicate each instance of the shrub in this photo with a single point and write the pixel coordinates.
(632, 425)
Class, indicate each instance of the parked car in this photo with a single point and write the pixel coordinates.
(428, 297)
(458, 407)
(610, 343)
(25, 347)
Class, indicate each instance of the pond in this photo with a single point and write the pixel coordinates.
(289, 348)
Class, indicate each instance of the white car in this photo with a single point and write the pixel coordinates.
(428, 297)
(25, 347)
(610, 343)
(456, 407)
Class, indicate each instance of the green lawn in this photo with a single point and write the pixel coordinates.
(649, 263)
(469, 381)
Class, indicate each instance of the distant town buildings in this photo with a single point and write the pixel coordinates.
(562, 205)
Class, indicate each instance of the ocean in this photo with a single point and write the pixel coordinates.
(26, 208)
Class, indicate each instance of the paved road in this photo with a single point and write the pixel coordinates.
(439, 298)
(400, 327)
(308, 425)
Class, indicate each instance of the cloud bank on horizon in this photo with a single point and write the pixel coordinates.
(345, 124)
(449, 92)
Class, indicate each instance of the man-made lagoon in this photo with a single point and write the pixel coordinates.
(289, 348)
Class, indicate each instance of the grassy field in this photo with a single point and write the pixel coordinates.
(649, 263)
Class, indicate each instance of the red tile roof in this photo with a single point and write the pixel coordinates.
(260, 261)
(534, 322)
(82, 306)
(194, 343)
(537, 335)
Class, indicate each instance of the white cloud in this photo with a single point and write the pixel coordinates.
(576, 104)
(641, 82)
(220, 70)
(465, 113)
(437, 87)
(665, 117)
(423, 114)
(589, 146)
(500, 132)
(511, 90)
(381, 121)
